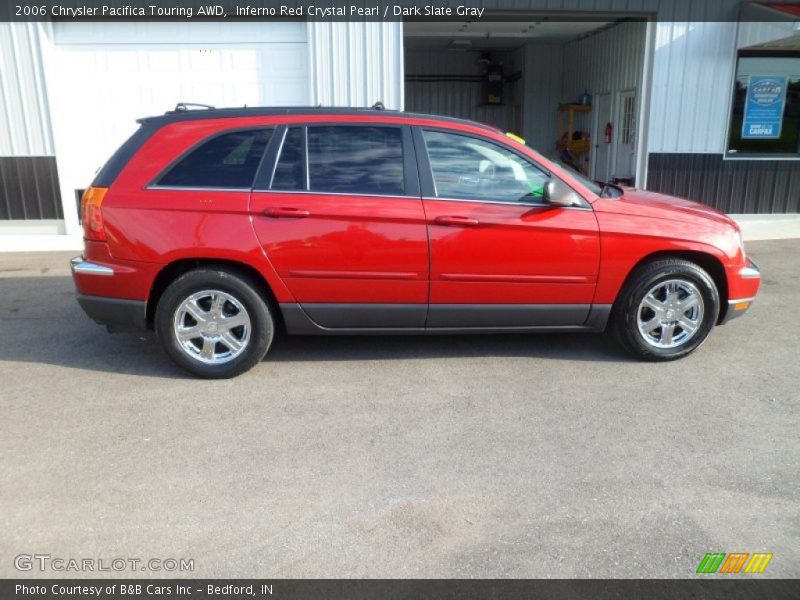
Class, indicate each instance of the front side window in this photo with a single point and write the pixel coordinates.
(356, 159)
(468, 168)
(765, 117)
(229, 160)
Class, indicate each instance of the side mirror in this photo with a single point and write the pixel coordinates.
(558, 195)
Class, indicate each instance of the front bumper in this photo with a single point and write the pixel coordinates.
(118, 314)
(744, 286)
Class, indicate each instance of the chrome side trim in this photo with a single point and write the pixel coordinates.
(732, 302)
(531, 204)
(306, 192)
(84, 267)
(188, 188)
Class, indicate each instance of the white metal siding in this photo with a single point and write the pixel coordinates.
(106, 77)
(608, 61)
(692, 74)
(356, 64)
(24, 117)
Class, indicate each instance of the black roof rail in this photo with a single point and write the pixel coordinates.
(183, 113)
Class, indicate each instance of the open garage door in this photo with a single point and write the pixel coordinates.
(524, 75)
(107, 75)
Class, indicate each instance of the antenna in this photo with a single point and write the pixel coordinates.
(378, 106)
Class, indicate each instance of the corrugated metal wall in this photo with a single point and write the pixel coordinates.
(733, 186)
(544, 69)
(28, 177)
(608, 61)
(356, 64)
(29, 188)
(692, 75)
(464, 99)
(24, 117)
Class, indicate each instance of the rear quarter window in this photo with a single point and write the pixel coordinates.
(227, 160)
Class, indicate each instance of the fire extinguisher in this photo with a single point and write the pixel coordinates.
(609, 130)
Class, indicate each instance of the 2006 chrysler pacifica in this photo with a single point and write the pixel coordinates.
(215, 227)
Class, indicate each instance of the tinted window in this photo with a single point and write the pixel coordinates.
(229, 160)
(290, 170)
(357, 160)
(472, 169)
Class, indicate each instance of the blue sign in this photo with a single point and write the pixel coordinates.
(763, 110)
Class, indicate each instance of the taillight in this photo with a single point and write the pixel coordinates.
(92, 212)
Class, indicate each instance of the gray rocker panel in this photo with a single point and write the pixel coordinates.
(335, 319)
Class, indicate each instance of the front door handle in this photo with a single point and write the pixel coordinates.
(456, 221)
(286, 213)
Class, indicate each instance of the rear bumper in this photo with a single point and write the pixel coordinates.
(119, 314)
(743, 289)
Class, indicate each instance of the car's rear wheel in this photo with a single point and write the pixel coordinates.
(214, 323)
(666, 310)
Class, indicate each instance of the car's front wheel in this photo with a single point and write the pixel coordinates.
(666, 310)
(214, 323)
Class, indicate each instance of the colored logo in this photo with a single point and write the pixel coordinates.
(735, 562)
(767, 91)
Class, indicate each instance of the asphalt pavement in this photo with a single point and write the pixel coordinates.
(456, 456)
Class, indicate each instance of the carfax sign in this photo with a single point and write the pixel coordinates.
(763, 110)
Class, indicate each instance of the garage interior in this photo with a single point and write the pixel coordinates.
(534, 77)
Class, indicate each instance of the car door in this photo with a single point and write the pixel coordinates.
(339, 215)
(500, 255)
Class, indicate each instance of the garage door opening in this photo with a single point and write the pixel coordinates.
(572, 89)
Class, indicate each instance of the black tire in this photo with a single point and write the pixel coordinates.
(237, 285)
(624, 318)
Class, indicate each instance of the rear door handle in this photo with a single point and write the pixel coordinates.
(456, 221)
(286, 213)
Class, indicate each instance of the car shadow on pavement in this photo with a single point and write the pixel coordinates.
(590, 347)
(40, 322)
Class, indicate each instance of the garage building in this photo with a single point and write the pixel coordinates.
(650, 93)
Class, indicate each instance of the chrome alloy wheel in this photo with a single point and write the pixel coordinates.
(670, 314)
(212, 327)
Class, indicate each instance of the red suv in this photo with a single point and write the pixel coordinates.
(216, 227)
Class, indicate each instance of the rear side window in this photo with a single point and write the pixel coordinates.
(290, 171)
(229, 160)
(356, 160)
